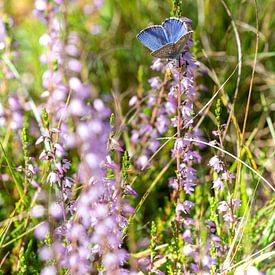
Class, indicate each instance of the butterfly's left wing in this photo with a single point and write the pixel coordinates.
(153, 37)
(175, 28)
(166, 51)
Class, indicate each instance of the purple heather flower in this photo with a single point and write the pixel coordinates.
(127, 209)
(236, 202)
(188, 186)
(49, 270)
(45, 253)
(194, 268)
(133, 100)
(188, 250)
(45, 39)
(218, 184)
(228, 176)
(135, 137)
(2, 34)
(157, 65)
(142, 161)
(41, 5)
(208, 261)
(53, 178)
(72, 50)
(187, 110)
(153, 145)
(75, 84)
(184, 207)
(114, 145)
(39, 140)
(223, 206)
(252, 270)
(162, 124)
(55, 210)
(216, 164)
(112, 261)
(212, 228)
(33, 170)
(129, 190)
(43, 155)
(109, 163)
(179, 146)
(77, 107)
(41, 231)
(187, 236)
(37, 211)
(74, 65)
(229, 218)
(188, 222)
(155, 82)
(34, 183)
(101, 108)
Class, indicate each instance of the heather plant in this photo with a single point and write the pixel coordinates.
(117, 162)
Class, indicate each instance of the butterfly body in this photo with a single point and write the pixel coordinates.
(166, 40)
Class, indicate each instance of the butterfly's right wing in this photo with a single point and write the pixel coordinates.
(166, 51)
(153, 37)
(175, 28)
(180, 43)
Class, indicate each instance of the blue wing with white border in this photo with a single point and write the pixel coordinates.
(153, 37)
(175, 28)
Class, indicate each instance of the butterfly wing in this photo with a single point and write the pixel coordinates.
(166, 51)
(153, 37)
(172, 50)
(175, 28)
(180, 43)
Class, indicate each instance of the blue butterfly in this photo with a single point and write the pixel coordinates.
(166, 40)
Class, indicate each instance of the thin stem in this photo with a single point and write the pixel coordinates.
(179, 122)
(178, 155)
(252, 77)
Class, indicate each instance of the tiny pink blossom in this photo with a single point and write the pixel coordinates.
(184, 207)
(218, 184)
(53, 178)
(223, 206)
(216, 164)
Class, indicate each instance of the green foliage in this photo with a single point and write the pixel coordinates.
(29, 262)
(25, 140)
(112, 121)
(153, 243)
(177, 8)
(45, 118)
(176, 258)
(125, 165)
(218, 111)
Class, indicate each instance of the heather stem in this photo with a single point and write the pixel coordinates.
(178, 154)
(178, 126)
(155, 111)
